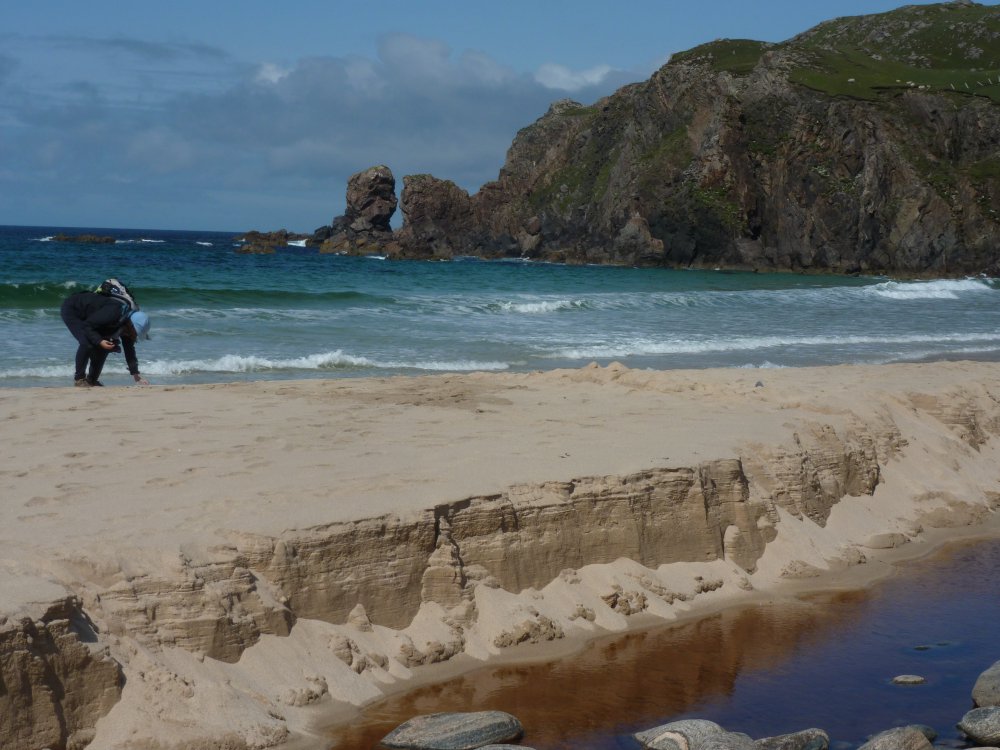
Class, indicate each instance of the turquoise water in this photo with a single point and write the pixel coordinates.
(219, 315)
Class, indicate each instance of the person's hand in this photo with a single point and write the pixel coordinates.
(108, 345)
(140, 380)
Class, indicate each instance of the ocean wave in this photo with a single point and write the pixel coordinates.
(646, 347)
(35, 295)
(939, 289)
(204, 244)
(538, 307)
(51, 294)
(242, 364)
(337, 360)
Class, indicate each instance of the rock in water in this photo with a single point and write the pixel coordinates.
(982, 725)
(807, 739)
(908, 679)
(687, 734)
(455, 731)
(900, 738)
(371, 199)
(986, 691)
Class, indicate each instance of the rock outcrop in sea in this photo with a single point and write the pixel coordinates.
(867, 144)
(363, 229)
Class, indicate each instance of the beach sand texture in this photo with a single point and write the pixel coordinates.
(243, 563)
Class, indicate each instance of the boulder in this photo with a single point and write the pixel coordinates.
(807, 739)
(455, 731)
(986, 691)
(899, 738)
(982, 725)
(687, 734)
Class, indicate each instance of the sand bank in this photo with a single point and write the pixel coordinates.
(183, 564)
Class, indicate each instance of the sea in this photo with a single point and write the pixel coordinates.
(220, 315)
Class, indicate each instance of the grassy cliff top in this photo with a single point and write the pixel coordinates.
(949, 46)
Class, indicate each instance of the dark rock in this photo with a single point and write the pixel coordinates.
(986, 691)
(87, 239)
(899, 738)
(371, 199)
(433, 209)
(455, 731)
(364, 227)
(982, 725)
(262, 243)
(807, 739)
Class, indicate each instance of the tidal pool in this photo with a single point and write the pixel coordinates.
(826, 661)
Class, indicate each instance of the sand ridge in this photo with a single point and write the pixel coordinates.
(274, 548)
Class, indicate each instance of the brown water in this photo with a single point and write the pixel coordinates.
(823, 662)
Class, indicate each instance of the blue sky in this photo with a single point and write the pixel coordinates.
(229, 115)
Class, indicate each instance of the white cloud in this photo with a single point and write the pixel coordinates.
(221, 140)
(553, 76)
(269, 73)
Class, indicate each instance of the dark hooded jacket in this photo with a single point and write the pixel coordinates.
(93, 317)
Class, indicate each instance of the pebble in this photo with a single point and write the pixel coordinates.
(908, 679)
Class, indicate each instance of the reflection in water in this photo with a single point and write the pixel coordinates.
(826, 661)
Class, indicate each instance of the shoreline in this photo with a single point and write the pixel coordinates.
(857, 579)
(245, 562)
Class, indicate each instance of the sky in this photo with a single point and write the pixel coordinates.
(233, 115)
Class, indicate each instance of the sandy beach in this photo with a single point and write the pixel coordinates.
(247, 561)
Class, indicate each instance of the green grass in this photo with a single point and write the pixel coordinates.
(944, 47)
(737, 56)
(854, 73)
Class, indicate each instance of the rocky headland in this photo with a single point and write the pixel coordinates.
(865, 145)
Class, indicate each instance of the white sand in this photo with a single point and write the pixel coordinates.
(100, 483)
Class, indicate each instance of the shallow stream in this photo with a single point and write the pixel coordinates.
(827, 661)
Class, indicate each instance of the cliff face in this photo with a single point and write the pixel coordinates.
(867, 144)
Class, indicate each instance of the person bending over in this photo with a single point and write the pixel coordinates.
(103, 323)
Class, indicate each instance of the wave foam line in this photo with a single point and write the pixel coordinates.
(236, 363)
(542, 307)
(337, 360)
(639, 347)
(939, 289)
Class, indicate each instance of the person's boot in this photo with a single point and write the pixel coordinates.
(95, 383)
(82, 383)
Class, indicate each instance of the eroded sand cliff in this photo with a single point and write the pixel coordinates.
(237, 561)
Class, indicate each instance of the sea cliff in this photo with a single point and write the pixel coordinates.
(864, 145)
